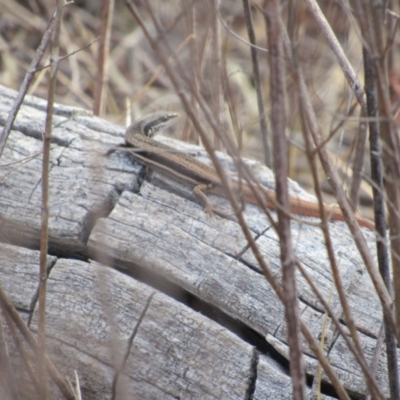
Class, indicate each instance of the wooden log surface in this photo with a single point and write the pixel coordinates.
(148, 296)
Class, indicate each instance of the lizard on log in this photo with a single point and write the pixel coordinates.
(187, 169)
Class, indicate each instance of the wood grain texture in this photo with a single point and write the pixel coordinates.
(82, 186)
(213, 328)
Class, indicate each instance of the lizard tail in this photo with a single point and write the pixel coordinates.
(311, 209)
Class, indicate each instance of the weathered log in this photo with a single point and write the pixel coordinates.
(140, 320)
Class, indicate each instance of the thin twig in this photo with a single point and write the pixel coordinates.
(103, 57)
(27, 81)
(121, 367)
(70, 54)
(216, 87)
(27, 360)
(377, 355)
(278, 126)
(257, 84)
(380, 219)
(359, 356)
(7, 307)
(241, 39)
(44, 237)
(322, 345)
(355, 86)
(334, 44)
(7, 381)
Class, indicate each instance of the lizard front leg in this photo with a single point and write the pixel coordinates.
(200, 192)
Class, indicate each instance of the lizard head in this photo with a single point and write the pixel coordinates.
(150, 124)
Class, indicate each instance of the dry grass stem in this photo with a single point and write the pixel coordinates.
(100, 94)
(44, 236)
(278, 127)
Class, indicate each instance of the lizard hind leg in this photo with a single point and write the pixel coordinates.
(199, 191)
